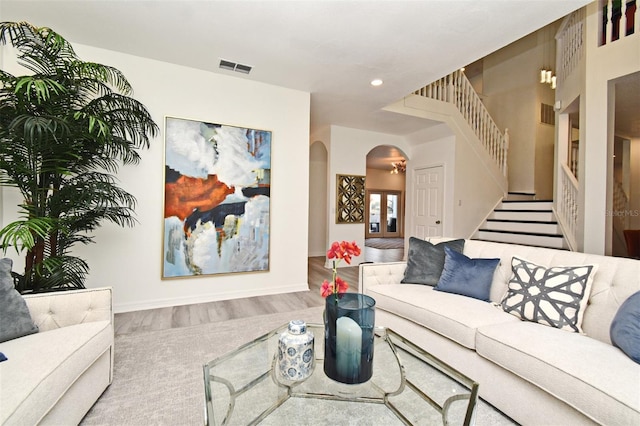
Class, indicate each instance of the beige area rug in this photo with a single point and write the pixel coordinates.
(158, 377)
(385, 243)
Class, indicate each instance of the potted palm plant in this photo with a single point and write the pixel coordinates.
(65, 128)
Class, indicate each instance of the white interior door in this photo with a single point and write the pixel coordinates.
(428, 184)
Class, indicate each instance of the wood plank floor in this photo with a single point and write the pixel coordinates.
(188, 315)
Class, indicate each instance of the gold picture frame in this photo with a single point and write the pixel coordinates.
(217, 197)
(350, 199)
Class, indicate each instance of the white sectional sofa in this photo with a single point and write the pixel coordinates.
(536, 374)
(55, 375)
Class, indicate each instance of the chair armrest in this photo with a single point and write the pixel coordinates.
(64, 308)
(380, 273)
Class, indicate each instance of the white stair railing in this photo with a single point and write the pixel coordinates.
(570, 44)
(456, 88)
(566, 205)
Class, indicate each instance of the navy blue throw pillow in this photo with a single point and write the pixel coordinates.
(465, 276)
(625, 327)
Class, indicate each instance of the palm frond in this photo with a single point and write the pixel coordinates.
(64, 129)
(91, 72)
(41, 50)
(37, 87)
(61, 272)
(21, 234)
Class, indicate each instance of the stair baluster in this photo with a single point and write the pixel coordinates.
(456, 88)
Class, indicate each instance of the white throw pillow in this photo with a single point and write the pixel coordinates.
(555, 296)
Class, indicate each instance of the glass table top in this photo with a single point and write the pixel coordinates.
(408, 386)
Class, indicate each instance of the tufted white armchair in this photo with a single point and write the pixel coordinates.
(56, 375)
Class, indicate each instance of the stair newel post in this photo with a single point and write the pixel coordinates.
(451, 88)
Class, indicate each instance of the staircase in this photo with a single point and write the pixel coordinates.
(521, 221)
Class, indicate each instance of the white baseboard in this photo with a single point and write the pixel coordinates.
(203, 298)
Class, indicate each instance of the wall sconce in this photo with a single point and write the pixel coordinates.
(548, 77)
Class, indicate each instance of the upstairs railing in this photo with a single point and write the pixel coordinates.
(619, 19)
(456, 88)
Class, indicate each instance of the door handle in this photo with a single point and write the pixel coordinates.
(437, 222)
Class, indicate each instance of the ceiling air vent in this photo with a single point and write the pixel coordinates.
(547, 114)
(233, 66)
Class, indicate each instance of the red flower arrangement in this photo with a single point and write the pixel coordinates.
(339, 251)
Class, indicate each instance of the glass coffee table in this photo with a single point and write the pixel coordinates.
(409, 386)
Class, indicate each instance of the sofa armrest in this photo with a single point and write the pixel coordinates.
(64, 308)
(380, 273)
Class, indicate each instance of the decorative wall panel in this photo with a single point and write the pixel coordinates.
(350, 199)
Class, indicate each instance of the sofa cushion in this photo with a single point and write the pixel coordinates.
(465, 276)
(39, 368)
(615, 280)
(594, 377)
(425, 260)
(450, 315)
(625, 327)
(14, 315)
(555, 296)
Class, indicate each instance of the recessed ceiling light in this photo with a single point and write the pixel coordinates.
(376, 82)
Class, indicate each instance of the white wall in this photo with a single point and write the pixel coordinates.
(426, 153)
(596, 128)
(475, 194)
(348, 150)
(130, 259)
(514, 103)
(509, 100)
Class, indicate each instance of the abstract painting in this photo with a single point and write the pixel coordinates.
(350, 199)
(216, 198)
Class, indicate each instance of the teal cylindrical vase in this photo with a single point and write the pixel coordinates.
(348, 337)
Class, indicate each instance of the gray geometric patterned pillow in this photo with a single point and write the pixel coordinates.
(555, 296)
